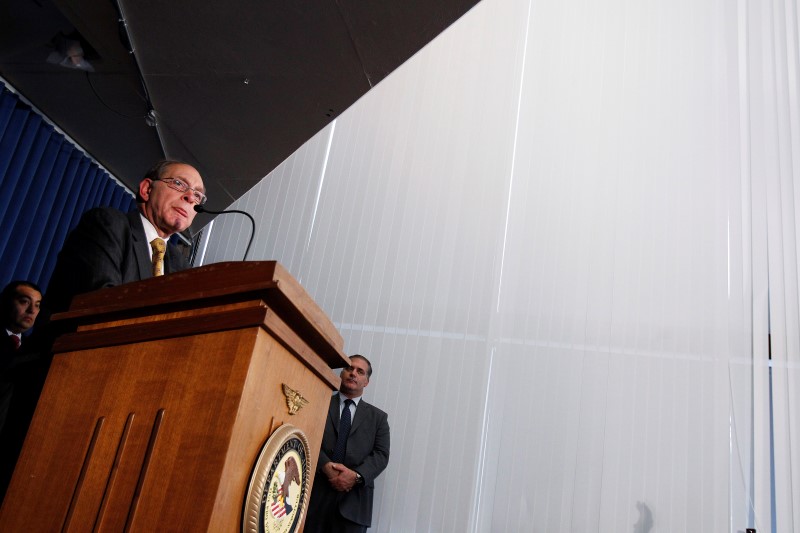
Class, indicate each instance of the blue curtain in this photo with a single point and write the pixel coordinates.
(46, 184)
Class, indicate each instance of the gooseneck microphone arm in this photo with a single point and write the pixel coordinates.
(201, 209)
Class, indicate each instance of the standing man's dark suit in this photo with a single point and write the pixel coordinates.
(106, 249)
(341, 499)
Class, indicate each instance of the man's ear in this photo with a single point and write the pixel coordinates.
(144, 189)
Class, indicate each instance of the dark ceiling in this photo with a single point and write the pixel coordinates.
(236, 86)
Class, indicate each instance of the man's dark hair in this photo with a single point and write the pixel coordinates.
(156, 171)
(369, 365)
(10, 291)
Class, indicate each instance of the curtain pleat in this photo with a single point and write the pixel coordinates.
(56, 232)
(11, 156)
(46, 184)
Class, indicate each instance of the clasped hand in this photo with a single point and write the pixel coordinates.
(340, 477)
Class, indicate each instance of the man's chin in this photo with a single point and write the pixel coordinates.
(179, 226)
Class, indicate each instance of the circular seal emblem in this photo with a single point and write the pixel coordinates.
(278, 491)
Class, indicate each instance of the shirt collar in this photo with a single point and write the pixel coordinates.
(342, 398)
(150, 233)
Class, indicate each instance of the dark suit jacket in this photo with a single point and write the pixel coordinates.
(367, 453)
(8, 360)
(22, 374)
(106, 248)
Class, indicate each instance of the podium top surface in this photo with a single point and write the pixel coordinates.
(218, 283)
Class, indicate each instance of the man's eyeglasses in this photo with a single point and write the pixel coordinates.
(181, 186)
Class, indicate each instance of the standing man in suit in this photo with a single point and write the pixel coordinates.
(109, 248)
(349, 461)
(21, 371)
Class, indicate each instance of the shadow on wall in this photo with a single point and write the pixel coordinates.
(645, 522)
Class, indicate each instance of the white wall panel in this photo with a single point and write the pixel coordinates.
(539, 231)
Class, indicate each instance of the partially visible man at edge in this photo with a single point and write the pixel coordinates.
(22, 371)
(109, 247)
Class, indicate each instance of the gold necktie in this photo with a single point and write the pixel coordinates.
(158, 246)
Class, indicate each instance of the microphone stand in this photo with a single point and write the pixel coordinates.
(201, 209)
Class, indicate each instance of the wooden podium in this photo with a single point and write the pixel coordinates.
(161, 397)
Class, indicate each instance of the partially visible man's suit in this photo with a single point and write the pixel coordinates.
(367, 453)
(22, 374)
(107, 248)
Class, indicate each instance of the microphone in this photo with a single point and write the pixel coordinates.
(201, 209)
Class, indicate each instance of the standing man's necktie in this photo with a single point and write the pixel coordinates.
(344, 431)
(15, 340)
(159, 247)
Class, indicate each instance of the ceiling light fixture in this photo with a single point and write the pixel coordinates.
(68, 53)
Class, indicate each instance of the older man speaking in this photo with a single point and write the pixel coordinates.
(109, 247)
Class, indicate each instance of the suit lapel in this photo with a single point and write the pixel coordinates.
(6, 351)
(333, 414)
(140, 246)
(358, 418)
(172, 259)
